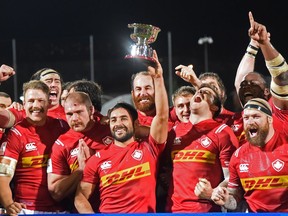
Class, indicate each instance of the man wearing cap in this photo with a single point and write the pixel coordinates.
(257, 169)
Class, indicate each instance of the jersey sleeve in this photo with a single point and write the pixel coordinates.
(11, 145)
(58, 161)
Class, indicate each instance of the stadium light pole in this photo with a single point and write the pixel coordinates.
(205, 41)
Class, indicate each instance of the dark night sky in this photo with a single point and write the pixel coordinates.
(225, 21)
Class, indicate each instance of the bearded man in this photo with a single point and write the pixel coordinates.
(258, 170)
(143, 95)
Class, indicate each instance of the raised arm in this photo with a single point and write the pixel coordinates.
(247, 63)
(159, 126)
(6, 72)
(275, 63)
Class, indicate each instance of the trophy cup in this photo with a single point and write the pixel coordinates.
(143, 35)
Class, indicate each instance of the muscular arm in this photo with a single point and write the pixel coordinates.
(61, 186)
(83, 193)
(159, 126)
(5, 192)
(6, 197)
(275, 63)
(7, 119)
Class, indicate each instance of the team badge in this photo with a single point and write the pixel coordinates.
(107, 140)
(106, 165)
(137, 155)
(278, 165)
(177, 141)
(235, 127)
(205, 142)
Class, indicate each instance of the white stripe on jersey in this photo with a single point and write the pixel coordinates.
(220, 128)
(58, 142)
(17, 132)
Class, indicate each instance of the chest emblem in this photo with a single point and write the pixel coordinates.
(205, 142)
(137, 155)
(278, 165)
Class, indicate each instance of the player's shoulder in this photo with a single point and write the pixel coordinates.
(68, 139)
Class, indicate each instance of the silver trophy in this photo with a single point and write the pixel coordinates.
(143, 35)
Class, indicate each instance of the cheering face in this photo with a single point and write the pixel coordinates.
(182, 107)
(202, 100)
(256, 126)
(143, 93)
(54, 83)
(36, 105)
(78, 116)
(251, 87)
(121, 125)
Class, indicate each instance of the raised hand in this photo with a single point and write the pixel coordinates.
(6, 72)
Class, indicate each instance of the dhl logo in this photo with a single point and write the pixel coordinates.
(74, 166)
(35, 161)
(193, 156)
(264, 183)
(130, 174)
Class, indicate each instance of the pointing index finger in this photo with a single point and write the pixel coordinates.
(251, 19)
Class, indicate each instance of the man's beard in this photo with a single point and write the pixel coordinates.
(259, 139)
(144, 107)
(124, 138)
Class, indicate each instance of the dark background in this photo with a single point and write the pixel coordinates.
(55, 33)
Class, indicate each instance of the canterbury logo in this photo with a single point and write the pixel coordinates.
(35, 161)
(130, 174)
(265, 183)
(193, 156)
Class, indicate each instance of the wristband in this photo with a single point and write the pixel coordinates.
(251, 50)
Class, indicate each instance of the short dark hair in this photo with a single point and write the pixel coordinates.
(37, 75)
(4, 94)
(219, 81)
(91, 88)
(130, 109)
